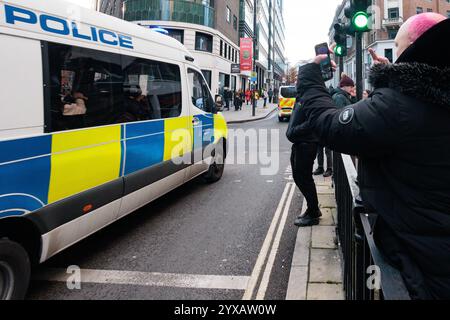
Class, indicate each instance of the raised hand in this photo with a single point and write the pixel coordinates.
(378, 59)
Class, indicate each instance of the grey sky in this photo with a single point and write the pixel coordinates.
(307, 24)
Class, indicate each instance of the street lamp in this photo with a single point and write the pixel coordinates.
(255, 43)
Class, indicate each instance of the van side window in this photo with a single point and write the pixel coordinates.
(156, 85)
(200, 96)
(90, 88)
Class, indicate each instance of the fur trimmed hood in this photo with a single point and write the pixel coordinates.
(421, 81)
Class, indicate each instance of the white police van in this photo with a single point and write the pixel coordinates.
(98, 117)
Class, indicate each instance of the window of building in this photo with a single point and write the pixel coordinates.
(392, 33)
(199, 92)
(235, 22)
(228, 15)
(221, 48)
(90, 88)
(203, 42)
(226, 51)
(393, 13)
(388, 53)
(229, 52)
(429, 10)
(419, 10)
(208, 76)
(176, 34)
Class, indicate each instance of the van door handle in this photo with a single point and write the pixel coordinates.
(196, 121)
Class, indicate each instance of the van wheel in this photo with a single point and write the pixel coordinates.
(216, 168)
(15, 270)
(280, 119)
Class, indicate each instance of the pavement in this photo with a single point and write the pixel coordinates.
(245, 115)
(316, 270)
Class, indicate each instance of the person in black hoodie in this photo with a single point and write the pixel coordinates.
(304, 150)
(402, 134)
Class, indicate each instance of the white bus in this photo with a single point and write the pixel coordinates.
(98, 117)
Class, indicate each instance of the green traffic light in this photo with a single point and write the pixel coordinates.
(360, 20)
(338, 50)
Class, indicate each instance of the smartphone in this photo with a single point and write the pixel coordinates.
(325, 66)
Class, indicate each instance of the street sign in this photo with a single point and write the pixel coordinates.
(254, 76)
(235, 68)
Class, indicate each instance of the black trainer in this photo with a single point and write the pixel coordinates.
(308, 219)
(328, 173)
(319, 171)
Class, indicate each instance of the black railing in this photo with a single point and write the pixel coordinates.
(367, 275)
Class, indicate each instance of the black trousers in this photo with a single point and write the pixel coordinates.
(302, 162)
(320, 157)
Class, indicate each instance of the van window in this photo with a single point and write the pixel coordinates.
(90, 88)
(157, 86)
(200, 96)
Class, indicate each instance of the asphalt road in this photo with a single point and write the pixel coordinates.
(197, 234)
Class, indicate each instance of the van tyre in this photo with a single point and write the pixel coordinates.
(15, 270)
(217, 166)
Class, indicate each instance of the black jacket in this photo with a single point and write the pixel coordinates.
(297, 131)
(402, 135)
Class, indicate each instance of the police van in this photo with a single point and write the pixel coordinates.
(286, 102)
(98, 117)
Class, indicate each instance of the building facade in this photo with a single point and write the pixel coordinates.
(278, 63)
(111, 7)
(270, 34)
(388, 16)
(208, 28)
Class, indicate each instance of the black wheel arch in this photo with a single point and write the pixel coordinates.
(24, 232)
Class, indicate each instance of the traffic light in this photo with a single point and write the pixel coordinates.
(357, 13)
(340, 37)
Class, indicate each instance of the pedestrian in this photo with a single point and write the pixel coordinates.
(366, 94)
(227, 96)
(270, 93)
(401, 135)
(304, 150)
(237, 101)
(265, 96)
(248, 96)
(342, 97)
(276, 92)
(242, 97)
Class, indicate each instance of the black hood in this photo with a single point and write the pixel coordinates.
(419, 80)
(432, 48)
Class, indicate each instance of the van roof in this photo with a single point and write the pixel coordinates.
(74, 12)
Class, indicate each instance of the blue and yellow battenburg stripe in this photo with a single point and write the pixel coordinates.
(42, 170)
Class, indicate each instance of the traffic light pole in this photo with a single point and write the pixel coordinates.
(359, 66)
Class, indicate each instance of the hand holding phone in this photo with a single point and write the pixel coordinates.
(325, 65)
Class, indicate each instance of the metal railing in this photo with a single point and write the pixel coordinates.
(362, 260)
(170, 10)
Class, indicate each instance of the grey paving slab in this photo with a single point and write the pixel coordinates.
(325, 291)
(302, 247)
(325, 266)
(298, 284)
(323, 237)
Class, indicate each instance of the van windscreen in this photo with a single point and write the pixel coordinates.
(288, 92)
